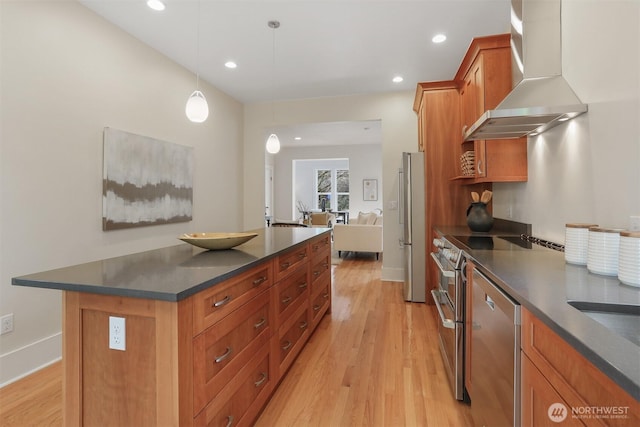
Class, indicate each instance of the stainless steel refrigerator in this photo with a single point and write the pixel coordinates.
(412, 217)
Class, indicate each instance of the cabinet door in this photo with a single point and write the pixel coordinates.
(542, 405)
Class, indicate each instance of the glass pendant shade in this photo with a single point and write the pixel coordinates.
(273, 144)
(197, 109)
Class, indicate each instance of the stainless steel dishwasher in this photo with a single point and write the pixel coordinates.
(495, 355)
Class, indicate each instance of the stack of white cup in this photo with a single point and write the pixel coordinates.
(576, 243)
(604, 246)
(629, 258)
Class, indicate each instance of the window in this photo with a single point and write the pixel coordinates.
(332, 185)
(342, 189)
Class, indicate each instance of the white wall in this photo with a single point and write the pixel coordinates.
(66, 74)
(399, 133)
(588, 170)
(364, 161)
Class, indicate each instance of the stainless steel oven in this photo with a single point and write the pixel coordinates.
(449, 300)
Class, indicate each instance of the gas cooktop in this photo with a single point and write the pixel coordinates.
(506, 243)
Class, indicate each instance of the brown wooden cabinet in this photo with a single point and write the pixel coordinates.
(438, 108)
(485, 79)
(211, 359)
(554, 372)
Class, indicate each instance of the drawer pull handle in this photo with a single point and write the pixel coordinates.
(260, 323)
(286, 300)
(225, 355)
(229, 420)
(287, 345)
(222, 302)
(259, 280)
(316, 307)
(325, 265)
(316, 273)
(285, 265)
(316, 247)
(302, 255)
(325, 296)
(303, 325)
(263, 378)
(302, 285)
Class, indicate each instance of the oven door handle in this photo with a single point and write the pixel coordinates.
(447, 323)
(445, 273)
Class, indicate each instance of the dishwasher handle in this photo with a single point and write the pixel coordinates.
(447, 323)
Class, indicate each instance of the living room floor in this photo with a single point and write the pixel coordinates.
(374, 361)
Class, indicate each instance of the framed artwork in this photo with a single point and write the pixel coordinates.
(370, 189)
(145, 181)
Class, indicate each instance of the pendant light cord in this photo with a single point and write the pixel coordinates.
(273, 74)
(198, 48)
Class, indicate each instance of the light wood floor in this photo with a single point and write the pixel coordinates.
(373, 362)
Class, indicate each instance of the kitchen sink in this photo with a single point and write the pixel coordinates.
(622, 319)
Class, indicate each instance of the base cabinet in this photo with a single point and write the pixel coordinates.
(542, 405)
(554, 373)
(212, 359)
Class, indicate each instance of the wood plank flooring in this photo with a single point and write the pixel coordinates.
(374, 361)
(35, 400)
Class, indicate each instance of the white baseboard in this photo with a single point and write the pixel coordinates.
(392, 274)
(23, 361)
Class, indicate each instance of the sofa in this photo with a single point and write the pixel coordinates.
(362, 234)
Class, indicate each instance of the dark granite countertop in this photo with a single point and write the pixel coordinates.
(540, 280)
(172, 273)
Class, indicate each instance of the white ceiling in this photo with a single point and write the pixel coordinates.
(322, 48)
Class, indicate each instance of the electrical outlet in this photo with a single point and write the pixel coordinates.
(634, 223)
(6, 324)
(117, 333)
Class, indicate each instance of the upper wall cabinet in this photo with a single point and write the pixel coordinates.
(484, 79)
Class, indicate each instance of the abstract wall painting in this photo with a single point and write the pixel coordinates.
(370, 189)
(145, 181)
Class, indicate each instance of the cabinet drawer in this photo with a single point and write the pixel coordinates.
(292, 336)
(227, 346)
(320, 265)
(241, 401)
(574, 377)
(291, 293)
(320, 244)
(287, 263)
(319, 305)
(213, 304)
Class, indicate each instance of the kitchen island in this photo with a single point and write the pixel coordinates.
(207, 335)
(542, 282)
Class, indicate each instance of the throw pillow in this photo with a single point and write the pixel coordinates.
(367, 218)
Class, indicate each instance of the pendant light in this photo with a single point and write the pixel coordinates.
(197, 109)
(273, 143)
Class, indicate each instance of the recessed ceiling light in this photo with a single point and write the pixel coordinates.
(297, 138)
(230, 64)
(397, 79)
(439, 38)
(156, 5)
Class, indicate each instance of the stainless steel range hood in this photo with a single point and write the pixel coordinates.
(541, 98)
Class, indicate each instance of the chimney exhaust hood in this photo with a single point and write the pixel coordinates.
(541, 98)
